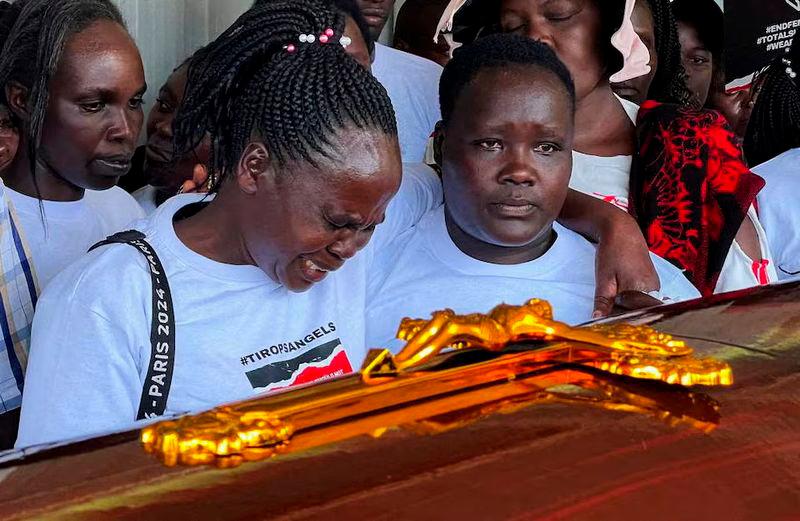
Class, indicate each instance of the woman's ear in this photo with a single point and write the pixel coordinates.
(17, 97)
(253, 164)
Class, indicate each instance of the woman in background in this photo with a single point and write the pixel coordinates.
(772, 144)
(74, 82)
(607, 141)
(166, 175)
(655, 24)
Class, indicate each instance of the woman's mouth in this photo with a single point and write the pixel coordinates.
(313, 272)
(513, 208)
(374, 17)
(114, 166)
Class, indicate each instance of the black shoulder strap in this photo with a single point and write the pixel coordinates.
(156, 386)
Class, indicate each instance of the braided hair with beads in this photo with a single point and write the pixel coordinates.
(260, 78)
(351, 9)
(774, 125)
(33, 34)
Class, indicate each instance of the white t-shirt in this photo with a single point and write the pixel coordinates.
(425, 271)
(739, 271)
(70, 228)
(608, 178)
(413, 86)
(779, 209)
(605, 177)
(146, 197)
(237, 334)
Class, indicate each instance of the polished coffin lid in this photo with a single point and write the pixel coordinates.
(488, 436)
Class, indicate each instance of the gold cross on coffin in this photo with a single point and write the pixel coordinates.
(414, 390)
(621, 349)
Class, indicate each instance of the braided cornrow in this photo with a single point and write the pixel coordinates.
(33, 34)
(669, 83)
(774, 125)
(247, 82)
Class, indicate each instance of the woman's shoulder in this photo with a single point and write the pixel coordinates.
(783, 168)
(116, 207)
(420, 192)
(105, 270)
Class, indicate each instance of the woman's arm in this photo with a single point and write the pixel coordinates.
(81, 379)
(623, 260)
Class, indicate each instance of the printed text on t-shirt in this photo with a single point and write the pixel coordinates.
(289, 346)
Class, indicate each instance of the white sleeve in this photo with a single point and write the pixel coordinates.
(420, 192)
(675, 287)
(82, 375)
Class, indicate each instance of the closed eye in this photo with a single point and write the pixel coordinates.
(519, 29)
(334, 226)
(92, 107)
(560, 18)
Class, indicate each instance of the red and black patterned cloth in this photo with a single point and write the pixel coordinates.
(690, 188)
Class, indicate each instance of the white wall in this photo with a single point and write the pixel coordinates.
(168, 31)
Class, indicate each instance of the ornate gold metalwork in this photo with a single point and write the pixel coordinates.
(250, 431)
(225, 437)
(258, 429)
(679, 408)
(624, 349)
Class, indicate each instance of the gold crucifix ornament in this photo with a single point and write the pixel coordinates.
(622, 349)
(416, 389)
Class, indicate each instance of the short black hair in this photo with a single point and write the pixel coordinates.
(33, 34)
(496, 51)
(248, 82)
(774, 125)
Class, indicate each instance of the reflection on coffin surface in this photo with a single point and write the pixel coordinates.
(526, 418)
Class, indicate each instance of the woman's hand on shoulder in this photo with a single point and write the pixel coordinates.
(622, 261)
(623, 265)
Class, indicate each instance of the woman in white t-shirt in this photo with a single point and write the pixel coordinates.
(79, 124)
(779, 207)
(76, 111)
(266, 288)
(606, 140)
(505, 147)
(772, 142)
